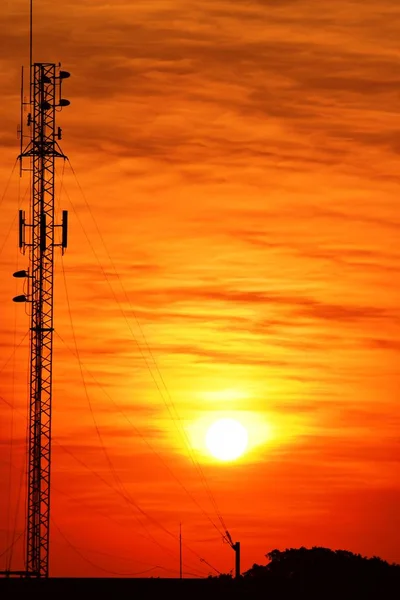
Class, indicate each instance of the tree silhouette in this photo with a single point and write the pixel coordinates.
(324, 573)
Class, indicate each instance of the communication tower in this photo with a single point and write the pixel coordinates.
(40, 234)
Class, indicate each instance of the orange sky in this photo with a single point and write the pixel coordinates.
(240, 165)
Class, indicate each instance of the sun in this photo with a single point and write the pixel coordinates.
(226, 439)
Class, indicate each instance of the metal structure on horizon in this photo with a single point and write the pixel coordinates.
(41, 136)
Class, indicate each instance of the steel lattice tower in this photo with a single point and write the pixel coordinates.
(41, 151)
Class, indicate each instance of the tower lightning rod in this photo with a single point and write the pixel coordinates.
(39, 236)
(30, 48)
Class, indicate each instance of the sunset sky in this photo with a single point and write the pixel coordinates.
(233, 192)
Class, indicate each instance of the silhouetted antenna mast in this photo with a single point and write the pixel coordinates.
(40, 145)
(180, 551)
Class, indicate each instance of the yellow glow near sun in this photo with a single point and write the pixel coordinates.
(214, 437)
(226, 439)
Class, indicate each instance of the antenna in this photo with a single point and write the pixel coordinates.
(180, 551)
(45, 99)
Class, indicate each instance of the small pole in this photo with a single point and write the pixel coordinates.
(180, 551)
(236, 548)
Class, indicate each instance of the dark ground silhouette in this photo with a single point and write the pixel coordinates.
(292, 574)
(323, 573)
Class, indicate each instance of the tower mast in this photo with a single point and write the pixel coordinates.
(42, 150)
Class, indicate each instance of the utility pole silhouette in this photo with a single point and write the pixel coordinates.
(236, 548)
